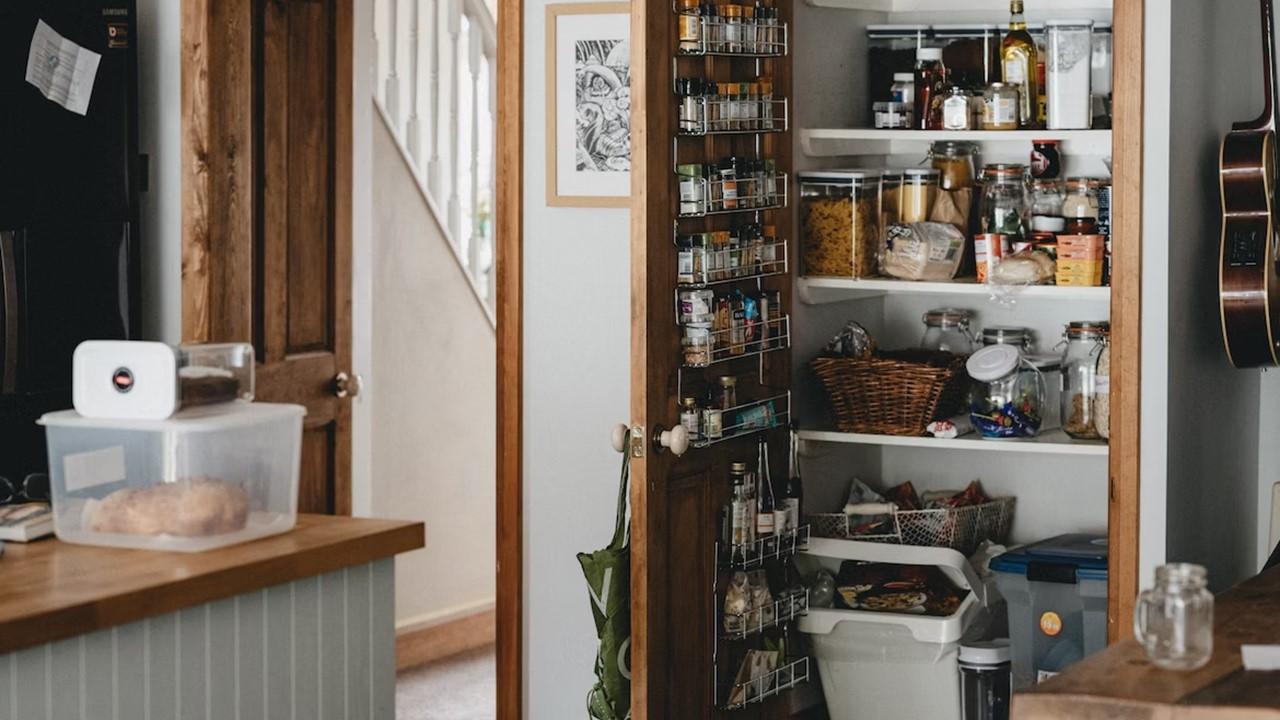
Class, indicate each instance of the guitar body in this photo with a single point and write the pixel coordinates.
(1249, 287)
(1248, 284)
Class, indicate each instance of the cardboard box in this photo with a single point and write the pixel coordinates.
(1082, 247)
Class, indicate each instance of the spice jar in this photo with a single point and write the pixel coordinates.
(956, 113)
(955, 163)
(691, 417)
(697, 350)
(689, 99)
(1080, 207)
(697, 306)
(728, 185)
(1046, 207)
(1008, 394)
(840, 222)
(931, 80)
(690, 26)
(731, 16)
(893, 116)
(1000, 107)
(947, 330)
(1005, 207)
(1084, 343)
(692, 189)
(1068, 70)
(728, 392)
(919, 191)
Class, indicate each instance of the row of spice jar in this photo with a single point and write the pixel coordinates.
(720, 327)
(706, 106)
(748, 250)
(734, 183)
(730, 29)
(718, 415)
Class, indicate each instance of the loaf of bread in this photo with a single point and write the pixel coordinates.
(194, 507)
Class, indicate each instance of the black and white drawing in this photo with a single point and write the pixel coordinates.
(602, 103)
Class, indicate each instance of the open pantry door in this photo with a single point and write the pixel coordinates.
(712, 246)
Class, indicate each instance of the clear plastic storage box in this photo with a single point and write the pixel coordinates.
(205, 478)
(120, 379)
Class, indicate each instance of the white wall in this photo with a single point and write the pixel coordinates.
(577, 310)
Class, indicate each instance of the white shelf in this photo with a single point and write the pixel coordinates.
(1053, 442)
(830, 142)
(994, 6)
(822, 290)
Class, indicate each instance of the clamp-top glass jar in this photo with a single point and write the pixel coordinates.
(1019, 337)
(1006, 201)
(1008, 394)
(1085, 393)
(947, 330)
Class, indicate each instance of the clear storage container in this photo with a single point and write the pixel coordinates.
(1068, 71)
(205, 478)
(1081, 391)
(840, 222)
(947, 330)
(1007, 399)
(986, 680)
(152, 380)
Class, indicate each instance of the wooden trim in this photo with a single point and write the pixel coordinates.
(426, 644)
(554, 198)
(1126, 320)
(343, 191)
(509, 274)
(55, 590)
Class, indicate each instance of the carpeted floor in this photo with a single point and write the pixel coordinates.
(462, 687)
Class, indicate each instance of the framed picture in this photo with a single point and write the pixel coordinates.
(589, 104)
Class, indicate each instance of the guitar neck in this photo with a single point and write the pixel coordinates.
(1266, 121)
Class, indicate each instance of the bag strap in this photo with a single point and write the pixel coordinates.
(622, 524)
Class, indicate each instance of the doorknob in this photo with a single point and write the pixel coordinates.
(347, 385)
(676, 440)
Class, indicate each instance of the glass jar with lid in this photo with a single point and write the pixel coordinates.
(1007, 397)
(840, 222)
(1080, 206)
(947, 330)
(1019, 337)
(957, 111)
(1006, 204)
(955, 163)
(1046, 207)
(919, 191)
(1000, 107)
(1084, 389)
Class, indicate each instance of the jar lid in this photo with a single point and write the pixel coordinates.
(690, 402)
(728, 381)
(929, 54)
(737, 467)
(1005, 170)
(925, 173)
(904, 77)
(947, 317)
(952, 148)
(1088, 328)
(1005, 335)
(993, 362)
(839, 177)
(731, 10)
(986, 652)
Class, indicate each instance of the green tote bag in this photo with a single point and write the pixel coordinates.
(608, 574)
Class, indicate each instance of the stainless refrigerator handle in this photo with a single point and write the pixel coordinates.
(9, 273)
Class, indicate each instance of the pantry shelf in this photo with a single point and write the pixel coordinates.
(1053, 442)
(833, 142)
(823, 290)
(972, 6)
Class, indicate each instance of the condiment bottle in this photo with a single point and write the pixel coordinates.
(931, 79)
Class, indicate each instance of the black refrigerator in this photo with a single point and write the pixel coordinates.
(70, 176)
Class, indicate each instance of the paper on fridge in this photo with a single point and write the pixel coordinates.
(61, 70)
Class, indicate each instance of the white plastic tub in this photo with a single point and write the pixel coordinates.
(889, 664)
(203, 479)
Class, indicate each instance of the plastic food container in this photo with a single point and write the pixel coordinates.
(840, 215)
(1056, 591)
(1008, 396)
(150, 380)
(206, 478)
(986, 680)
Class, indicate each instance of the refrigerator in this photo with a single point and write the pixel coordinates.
(70, 176)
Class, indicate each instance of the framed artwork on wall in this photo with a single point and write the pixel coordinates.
(589, 105)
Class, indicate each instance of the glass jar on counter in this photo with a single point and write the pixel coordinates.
(955, 163)
(1000, 107)
(1068, 68)
(840, 215)
(1046, 207)
(947, 330)
(1174, 620)
(1005, 208)
(957, 109)
(1080, 206)
(919, 192)
(1007, 397)
(1081, 394)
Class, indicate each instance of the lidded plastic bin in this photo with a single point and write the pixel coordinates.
(840, 216)
(1056, 590)
(151, 380)
(205, 478)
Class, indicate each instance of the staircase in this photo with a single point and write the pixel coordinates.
(436, 92)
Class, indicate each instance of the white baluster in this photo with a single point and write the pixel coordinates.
(455, 201)
(379, 43)
(474, 45)
(391, 97)
(412, 130)
(433, 96)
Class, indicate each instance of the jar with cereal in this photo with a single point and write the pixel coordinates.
(1085, 391)
(840, 215)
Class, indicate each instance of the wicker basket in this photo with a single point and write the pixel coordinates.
(961, 529)
(894, 393)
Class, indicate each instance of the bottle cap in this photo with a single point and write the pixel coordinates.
(929, 54)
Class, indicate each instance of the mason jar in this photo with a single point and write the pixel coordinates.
(1007, 397)
(1174, 620)
(1081, 394)
(954, 161)
(1005, 208)
(1019, 337)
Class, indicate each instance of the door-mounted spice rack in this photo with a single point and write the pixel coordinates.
(745, 556)
(724, 424)
(756, 621)
(720, 346)
(732, 30)
(761, 688)
(734, 113)
(700, 264)
(729, 194)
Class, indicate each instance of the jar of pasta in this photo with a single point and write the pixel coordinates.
(840, 216)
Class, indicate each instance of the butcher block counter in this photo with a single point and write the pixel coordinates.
(296, 625)
(1120, 683)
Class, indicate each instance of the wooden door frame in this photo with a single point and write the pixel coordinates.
(509, 271)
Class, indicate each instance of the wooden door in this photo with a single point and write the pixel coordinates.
(267, 210)
(677, 670)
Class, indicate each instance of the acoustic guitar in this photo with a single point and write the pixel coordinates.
(1248, 283)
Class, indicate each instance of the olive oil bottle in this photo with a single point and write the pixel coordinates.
(1018, 64)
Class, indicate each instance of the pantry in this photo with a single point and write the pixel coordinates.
(804, 193)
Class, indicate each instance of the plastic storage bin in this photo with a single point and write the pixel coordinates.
(205, 478)
(887, 663)
(840, 215)
(1056, 591)
(121, 379)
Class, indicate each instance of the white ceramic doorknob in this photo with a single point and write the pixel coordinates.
(620, 437)
(676, 440)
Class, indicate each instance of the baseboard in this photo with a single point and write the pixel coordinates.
(419, 645)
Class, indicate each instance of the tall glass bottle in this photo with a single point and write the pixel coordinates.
(793, 492)
(765, 516)
(1018, 63)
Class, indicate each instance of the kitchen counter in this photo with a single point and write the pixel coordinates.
(1120, 683)
(297, 624)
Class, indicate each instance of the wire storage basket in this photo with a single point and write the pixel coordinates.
(962, 528)
(894, 393)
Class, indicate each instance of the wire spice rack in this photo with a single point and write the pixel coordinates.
(767, 191)
(745, 556)
(783, 610)
(749, 419)
(762, 688)
(718, 36)
(706, 267)
(735, 116)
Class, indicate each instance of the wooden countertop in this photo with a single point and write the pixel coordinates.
(1120, 683)
(51, 590)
